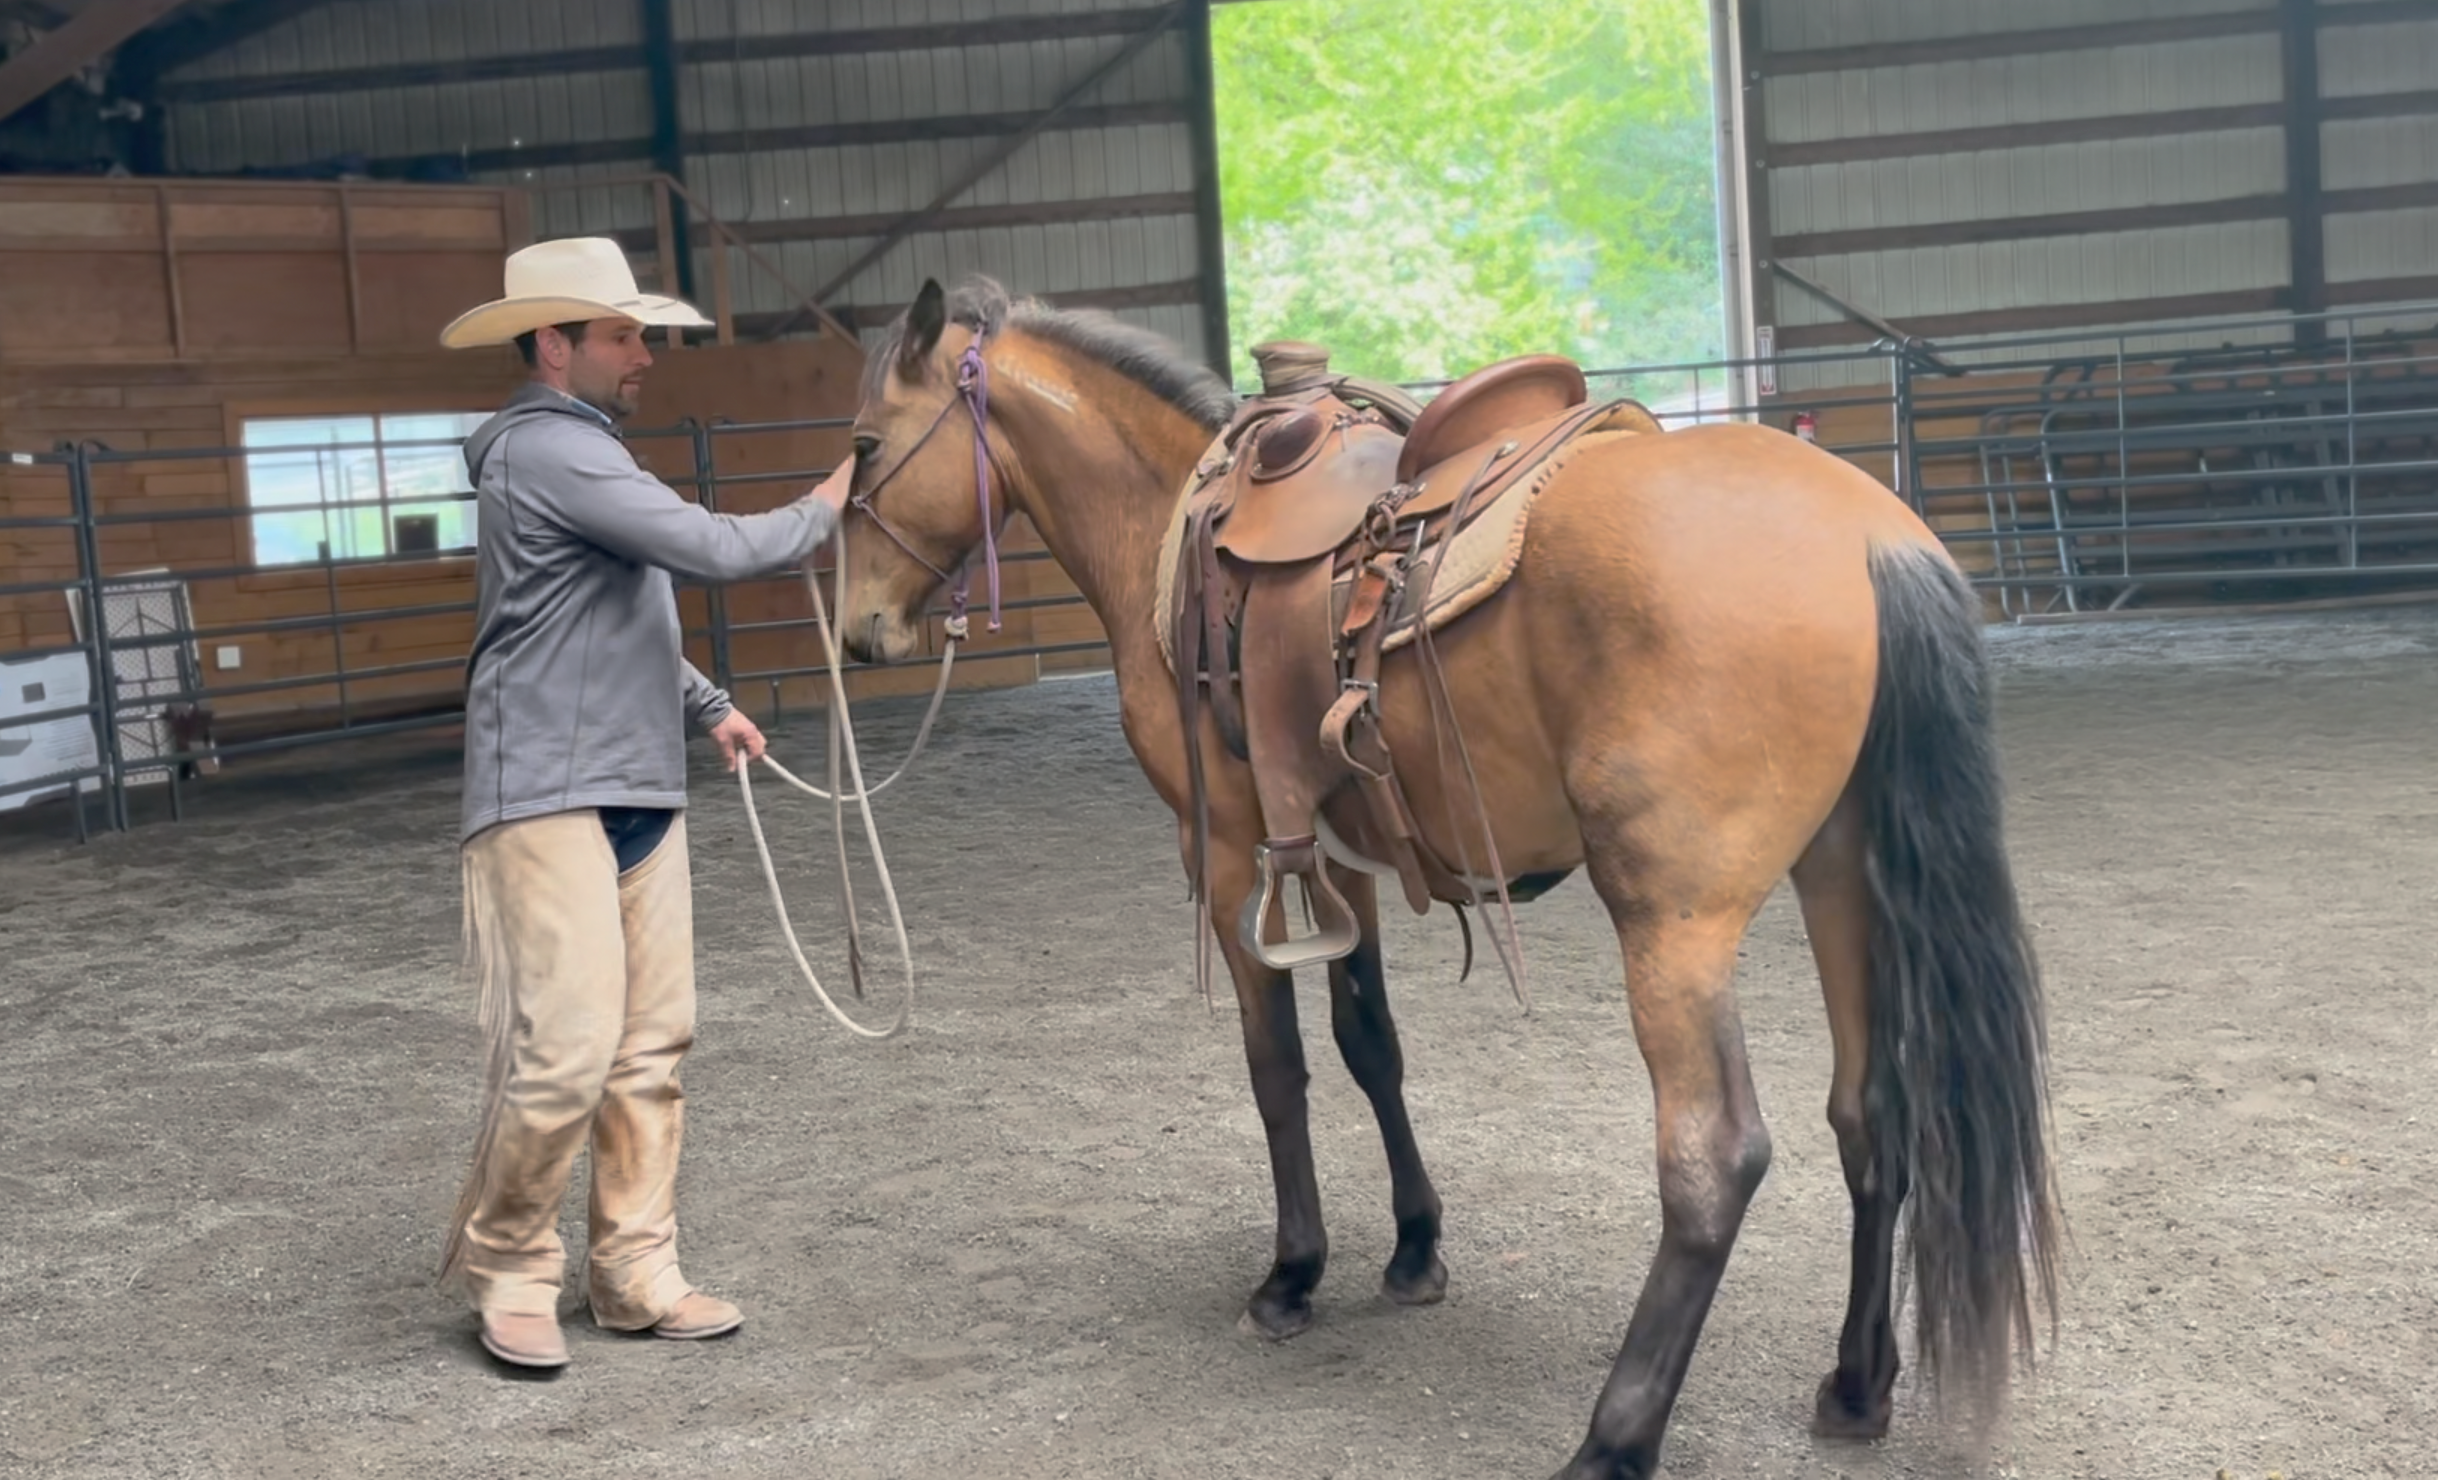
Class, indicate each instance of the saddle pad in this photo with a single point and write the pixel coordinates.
(1478, 561)
(1480, 557)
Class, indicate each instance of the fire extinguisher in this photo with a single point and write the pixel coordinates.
(1807, 426)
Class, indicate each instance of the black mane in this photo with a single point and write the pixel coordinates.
(1149, 360)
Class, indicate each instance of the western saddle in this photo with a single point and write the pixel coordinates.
(1316, 522)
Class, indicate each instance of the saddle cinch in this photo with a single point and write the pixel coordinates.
(1313, 527)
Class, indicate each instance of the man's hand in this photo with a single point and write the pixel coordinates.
(737, 733)
(835, 489)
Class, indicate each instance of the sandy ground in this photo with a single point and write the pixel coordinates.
(239, 1076)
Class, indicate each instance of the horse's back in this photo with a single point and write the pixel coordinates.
(1691, 616)
(1714, 533)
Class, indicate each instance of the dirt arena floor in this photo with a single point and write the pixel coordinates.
(239, 1078)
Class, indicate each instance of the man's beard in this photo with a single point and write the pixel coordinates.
(610, 404)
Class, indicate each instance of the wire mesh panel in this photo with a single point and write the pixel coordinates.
(2095, 478)
(54, 731)
(150, 627)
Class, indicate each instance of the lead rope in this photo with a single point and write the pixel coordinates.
(842, 747)
(973, 387)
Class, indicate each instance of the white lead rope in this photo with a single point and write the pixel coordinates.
(842, 747)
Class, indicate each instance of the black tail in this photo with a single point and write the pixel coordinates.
(1957, 1093)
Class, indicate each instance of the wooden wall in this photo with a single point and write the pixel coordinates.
(153, 409)
(154, 272)
(156, 409)
(153, 318)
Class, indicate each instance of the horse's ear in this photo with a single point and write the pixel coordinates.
(924, 322)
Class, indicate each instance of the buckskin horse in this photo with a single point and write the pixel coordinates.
(1712, 658)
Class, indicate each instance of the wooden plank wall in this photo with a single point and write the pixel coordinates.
(153, 317)
(168, 408)
(121, 272)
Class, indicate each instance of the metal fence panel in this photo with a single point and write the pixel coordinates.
(2064, 471)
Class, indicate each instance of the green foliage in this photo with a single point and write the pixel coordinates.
(1427, 185)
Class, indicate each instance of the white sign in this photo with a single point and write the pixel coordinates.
(51, 747)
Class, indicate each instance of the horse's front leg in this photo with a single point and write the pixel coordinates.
(1274, 1052)
(1367, 1040)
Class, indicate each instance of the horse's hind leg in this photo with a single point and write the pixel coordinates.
(1367, 1040)
(1679, 946)
(1854, 1400)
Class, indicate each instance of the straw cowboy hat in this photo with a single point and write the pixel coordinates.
(567, 281)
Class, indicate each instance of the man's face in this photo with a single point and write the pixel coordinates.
(605, 369)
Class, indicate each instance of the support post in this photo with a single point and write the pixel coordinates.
(661, 61)
(723, 305)
(1760, 247)
(666, 267)
(1210, 229)
(715, 595)
(2306, 232)
(1738, 278)
(169, 266)
(355, 275)
(97, 632)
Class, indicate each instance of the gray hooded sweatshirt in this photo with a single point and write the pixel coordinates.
(578, 690)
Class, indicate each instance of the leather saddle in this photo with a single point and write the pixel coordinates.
(1322, 501)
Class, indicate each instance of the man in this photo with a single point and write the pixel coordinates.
(579, 909)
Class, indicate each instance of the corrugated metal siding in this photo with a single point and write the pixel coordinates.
(1998, 184)
(443, 118)
(1907, 282)
(2374, 153)
(2382, 244)
(373, 33)
(2023, 89)
(1060, 166)
(2244, 168)
(780, 186)
(697, 18)
(2363, 153)
(1809, 24)
(2355, 60)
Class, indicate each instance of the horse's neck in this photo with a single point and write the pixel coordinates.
(1104, 461)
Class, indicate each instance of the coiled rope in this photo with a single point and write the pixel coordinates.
(842, 751)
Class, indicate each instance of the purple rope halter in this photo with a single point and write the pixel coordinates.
(973, 382)
(973, 388)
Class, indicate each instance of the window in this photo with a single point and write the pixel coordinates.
(358, 487)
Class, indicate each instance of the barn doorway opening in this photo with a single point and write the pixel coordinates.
(1428, 185)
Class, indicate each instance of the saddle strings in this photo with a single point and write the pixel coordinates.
(1435, 685)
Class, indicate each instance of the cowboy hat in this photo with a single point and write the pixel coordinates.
(571, 280)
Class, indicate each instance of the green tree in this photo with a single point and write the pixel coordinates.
(1428, 185)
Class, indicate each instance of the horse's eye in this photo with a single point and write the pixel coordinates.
(866, 446)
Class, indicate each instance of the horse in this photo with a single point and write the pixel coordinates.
(1724, 657)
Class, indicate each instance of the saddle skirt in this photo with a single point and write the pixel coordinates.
(1331, 521)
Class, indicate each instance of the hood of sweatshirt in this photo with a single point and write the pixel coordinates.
(532, 400)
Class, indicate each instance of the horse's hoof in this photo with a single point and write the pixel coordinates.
(1426, 1286)
(1282, 1307)
(1275, 1322)
(1604, 1467)
(1834, 1418)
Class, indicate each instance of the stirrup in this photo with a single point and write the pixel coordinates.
(1326, 943)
